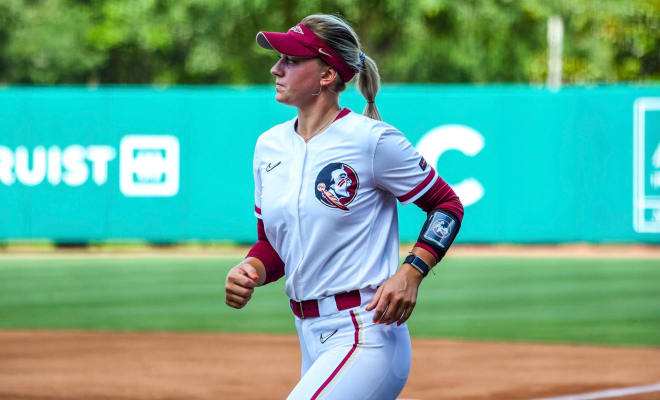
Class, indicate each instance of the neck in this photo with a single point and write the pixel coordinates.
(315, 117)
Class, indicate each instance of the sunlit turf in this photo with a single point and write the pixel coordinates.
(544, 300)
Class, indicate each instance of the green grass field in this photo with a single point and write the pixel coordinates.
(614, 302)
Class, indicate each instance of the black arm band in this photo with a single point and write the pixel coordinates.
(439, 231)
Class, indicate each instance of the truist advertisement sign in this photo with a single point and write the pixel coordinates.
(175, 164)
(148, 165)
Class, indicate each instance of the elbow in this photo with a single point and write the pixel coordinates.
(459, 208)
(454, 205)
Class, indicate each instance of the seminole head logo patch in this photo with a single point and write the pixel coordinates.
(336, 185)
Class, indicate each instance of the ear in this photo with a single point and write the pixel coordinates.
(328, 76)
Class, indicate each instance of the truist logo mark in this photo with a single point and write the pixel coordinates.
(297, 29)
(149, 166)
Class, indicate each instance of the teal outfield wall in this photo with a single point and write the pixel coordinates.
(78, 164)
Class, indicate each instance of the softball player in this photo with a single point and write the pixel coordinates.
(326, 186)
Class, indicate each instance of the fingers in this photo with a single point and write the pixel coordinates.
(238, 299)
(240, 281)
(235, 301)
(235, 304)
(239, 291)
(240, 284)
(249, 271)
(243, 275)
(394, 310)
(381, 307)
(375, 299)
(406, 314)
(394, 307)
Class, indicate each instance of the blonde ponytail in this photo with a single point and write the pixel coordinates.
(342, 38)
(369, 83)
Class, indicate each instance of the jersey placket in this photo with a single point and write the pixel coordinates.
(301, 149)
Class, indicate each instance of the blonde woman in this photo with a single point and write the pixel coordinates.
(326, 187)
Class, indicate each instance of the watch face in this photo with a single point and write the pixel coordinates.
(440, 230)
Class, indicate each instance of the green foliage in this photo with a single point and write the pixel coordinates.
(548, 300)
(212, 41)
(46, 43)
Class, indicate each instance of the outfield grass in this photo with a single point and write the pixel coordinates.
(544, 300)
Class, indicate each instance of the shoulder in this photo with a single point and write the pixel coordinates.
(372, 131)
(273, 136)
(368, 128)
(358, 120)
(276, 132)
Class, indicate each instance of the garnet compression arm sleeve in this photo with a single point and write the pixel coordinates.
(267, 255)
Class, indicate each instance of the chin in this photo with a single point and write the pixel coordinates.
(280, 98)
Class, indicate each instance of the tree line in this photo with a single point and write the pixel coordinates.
(167, 42)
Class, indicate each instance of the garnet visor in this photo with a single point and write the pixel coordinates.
(300, 41)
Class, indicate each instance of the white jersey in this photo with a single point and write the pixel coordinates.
(329, 205)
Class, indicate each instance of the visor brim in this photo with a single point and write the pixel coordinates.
(284, 43)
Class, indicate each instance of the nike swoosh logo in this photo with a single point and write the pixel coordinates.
(324, 339)
(270, 167)
(323, 52)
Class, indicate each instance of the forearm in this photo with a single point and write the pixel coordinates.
(263, 256)
(425, 255)
(440, 197)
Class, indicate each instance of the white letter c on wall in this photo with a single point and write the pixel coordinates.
(454, 137)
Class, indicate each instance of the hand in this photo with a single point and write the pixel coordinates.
(395, 299)
(240, 284)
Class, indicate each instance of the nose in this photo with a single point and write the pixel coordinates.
(277, 68)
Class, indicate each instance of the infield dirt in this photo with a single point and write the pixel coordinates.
(48, 365)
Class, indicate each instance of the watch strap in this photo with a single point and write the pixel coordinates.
(417, 263)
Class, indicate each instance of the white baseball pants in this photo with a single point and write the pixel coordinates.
(346, 356)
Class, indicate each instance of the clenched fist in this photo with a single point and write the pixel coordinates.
(240, 284)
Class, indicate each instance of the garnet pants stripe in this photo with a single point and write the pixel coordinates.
(344, 361)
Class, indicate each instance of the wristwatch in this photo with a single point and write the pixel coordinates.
(417, 263)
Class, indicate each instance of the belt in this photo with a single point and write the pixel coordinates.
(310, 308)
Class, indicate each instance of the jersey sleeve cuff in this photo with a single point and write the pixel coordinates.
(420, 189)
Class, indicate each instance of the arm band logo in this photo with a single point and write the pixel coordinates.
(439, 231)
